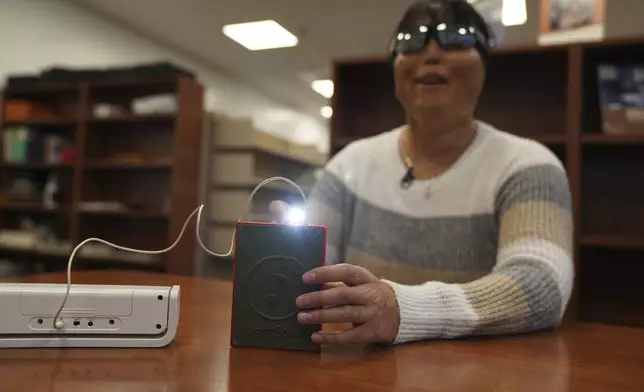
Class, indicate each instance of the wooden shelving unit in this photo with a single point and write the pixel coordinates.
(37, 166)
(157, 184)
(548, 94)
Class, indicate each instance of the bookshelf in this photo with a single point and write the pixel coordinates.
(128, 175)
(548, 94)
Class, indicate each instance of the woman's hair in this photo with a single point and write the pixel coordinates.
(460, 10)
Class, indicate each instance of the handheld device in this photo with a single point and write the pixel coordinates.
(270, 260)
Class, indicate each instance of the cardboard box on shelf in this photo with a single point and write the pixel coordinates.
(18, 110)
(240, 133)
(307, 153)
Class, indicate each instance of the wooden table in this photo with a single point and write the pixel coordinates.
(573, 358)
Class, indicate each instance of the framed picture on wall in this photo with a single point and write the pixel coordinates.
(565, 21)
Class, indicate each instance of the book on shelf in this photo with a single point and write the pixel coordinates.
(25, 144)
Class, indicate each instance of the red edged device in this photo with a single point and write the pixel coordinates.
(270, 260)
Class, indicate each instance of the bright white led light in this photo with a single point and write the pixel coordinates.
(261, 35)
(462, 31)
(295, 216)
(514, 12)
(407, 37)
(401, 36)
(323, 87)
(441, 27)
(423, 29)
(326, 112)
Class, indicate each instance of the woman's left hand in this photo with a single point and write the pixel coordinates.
(354, 295)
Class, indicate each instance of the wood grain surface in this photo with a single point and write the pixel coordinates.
(577, 357)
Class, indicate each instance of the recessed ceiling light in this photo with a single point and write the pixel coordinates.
(326, 112)
(514, 12)
(261, 35)
(323, 87)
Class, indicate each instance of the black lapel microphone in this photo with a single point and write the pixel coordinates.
(407, 179)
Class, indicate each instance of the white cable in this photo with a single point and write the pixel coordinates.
(250, 199)
(59, 324)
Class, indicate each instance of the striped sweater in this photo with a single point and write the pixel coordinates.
(485, 248)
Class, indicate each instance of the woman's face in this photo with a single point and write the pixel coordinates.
(436, 81)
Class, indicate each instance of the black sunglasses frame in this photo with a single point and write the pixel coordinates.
(438, 33)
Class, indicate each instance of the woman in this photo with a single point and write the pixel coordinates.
(446, 226)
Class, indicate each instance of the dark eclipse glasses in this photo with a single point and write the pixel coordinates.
(449, 37)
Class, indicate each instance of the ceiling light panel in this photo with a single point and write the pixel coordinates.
(514, 12)
(326, 112)
(260, 35)
(323, 87)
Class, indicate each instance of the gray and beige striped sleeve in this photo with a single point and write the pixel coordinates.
(331, 204)
(531, 283)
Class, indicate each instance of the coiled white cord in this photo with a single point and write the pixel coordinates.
(60, 324)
